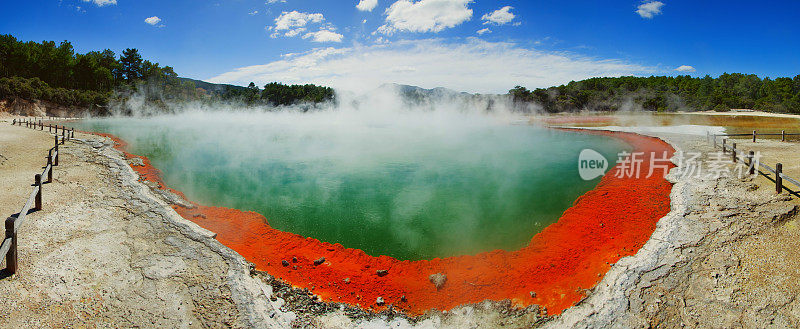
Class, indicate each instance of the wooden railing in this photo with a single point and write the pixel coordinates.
(34, 124)
(748, 158)
(8, 247)
(783, 135)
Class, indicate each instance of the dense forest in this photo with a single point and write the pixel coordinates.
(56, 73)
(728, 91)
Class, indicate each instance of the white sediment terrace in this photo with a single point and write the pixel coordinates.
(688, 274)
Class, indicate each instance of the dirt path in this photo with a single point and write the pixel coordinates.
(19, 162)
(104, 252)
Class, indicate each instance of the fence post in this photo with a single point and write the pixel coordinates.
(783, 135)
(11, 256)
(63, 135)
(754, 136)
(72, 133)
(715, 142)
(778, 178)
(723, 145)
(733, 153)
(38, 180)
(50, 165)
(55, 162)
(751, 155)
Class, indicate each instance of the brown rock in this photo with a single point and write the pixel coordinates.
(438, 280)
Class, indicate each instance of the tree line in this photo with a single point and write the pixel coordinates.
(56, 73)
(279, 94)
(664, 93)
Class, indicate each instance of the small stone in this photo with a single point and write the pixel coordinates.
(438, 280)
(319, 261)
(284, 263)
(533, 294)
(294, 267)
(136, 162)
(346, 280)
(382, 272)
(380, 301)
(294, 259)
(403, 298)
(273, 298)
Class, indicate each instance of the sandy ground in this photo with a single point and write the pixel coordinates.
(772, 151)
(105, 253)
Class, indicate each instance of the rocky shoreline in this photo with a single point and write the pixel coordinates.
(692, 272)
(689, 274)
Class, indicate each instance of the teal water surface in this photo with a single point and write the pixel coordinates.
(414, 186)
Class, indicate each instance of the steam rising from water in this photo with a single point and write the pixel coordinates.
(441, 178)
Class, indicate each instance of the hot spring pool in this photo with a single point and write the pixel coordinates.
(413, 186)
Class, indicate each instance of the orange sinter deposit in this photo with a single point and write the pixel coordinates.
(612, 221)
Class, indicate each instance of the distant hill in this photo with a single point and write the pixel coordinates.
(213, 87)
(432, 99)
(419, 93)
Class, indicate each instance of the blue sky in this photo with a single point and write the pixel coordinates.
(426, 42)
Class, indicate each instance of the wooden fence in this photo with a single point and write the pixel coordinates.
(8, 247)
(39, 124)
(748, 158)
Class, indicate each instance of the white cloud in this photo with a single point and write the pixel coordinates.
(295, 32)
(269, 2)
(293, 19)
(499, 17)
(255, 12)
(367, 5)
(685, 68)
(101, 3)
(324, 36)
(473, 65)
(152, 20)
(425, 15)
(295, 23)
(484, 31)
(649, 9)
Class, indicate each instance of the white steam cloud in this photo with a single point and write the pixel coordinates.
(472, 66)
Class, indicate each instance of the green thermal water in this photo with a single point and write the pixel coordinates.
(409, 186)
